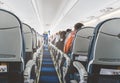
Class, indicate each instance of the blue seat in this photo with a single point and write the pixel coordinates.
(11, 48)
(28, 37)
(80, 50)
(81, 44)
(104, 54)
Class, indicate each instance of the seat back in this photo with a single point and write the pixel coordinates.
(11, 38)
(34, 40)
(106, 43)
(81, 43)
(80, 52)
(27, 37)
(104, 55)
(39, 40)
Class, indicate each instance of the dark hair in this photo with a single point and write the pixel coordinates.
(78, 26)
(68, 30)
(62, 34)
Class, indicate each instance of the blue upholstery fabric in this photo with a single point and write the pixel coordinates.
(48, 72)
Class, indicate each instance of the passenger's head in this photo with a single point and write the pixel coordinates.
(68, 30)
(78, 26)
(62, 34)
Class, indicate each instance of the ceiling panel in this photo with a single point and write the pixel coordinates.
(24, 10)
(57, 14)
(49, 10)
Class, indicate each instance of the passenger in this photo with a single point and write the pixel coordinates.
(67, 50)
(57, 37)
(52, 40)
(45, 35)
(67, 32)
(70, 38)
(60, 43)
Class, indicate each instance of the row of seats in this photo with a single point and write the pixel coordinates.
(20, 47)
(95, 54)
(80, 51)
(61, 61)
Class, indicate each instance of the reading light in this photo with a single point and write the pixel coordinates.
(104, 16)
(108, 9)
(109, 14)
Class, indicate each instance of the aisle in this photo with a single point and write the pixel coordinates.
(48, 73)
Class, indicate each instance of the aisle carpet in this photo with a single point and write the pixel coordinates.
(48, 73)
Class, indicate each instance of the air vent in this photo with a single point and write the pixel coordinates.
(108, 9)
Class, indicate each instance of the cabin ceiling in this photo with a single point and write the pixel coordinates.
(55, 15)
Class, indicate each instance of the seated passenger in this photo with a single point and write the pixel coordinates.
(45, 35)
(67, 32)
(60, 43)
(56, 38)
(70, 38)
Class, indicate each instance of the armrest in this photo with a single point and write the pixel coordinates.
(81, 69)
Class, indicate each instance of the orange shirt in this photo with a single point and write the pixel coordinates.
(69, 41)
